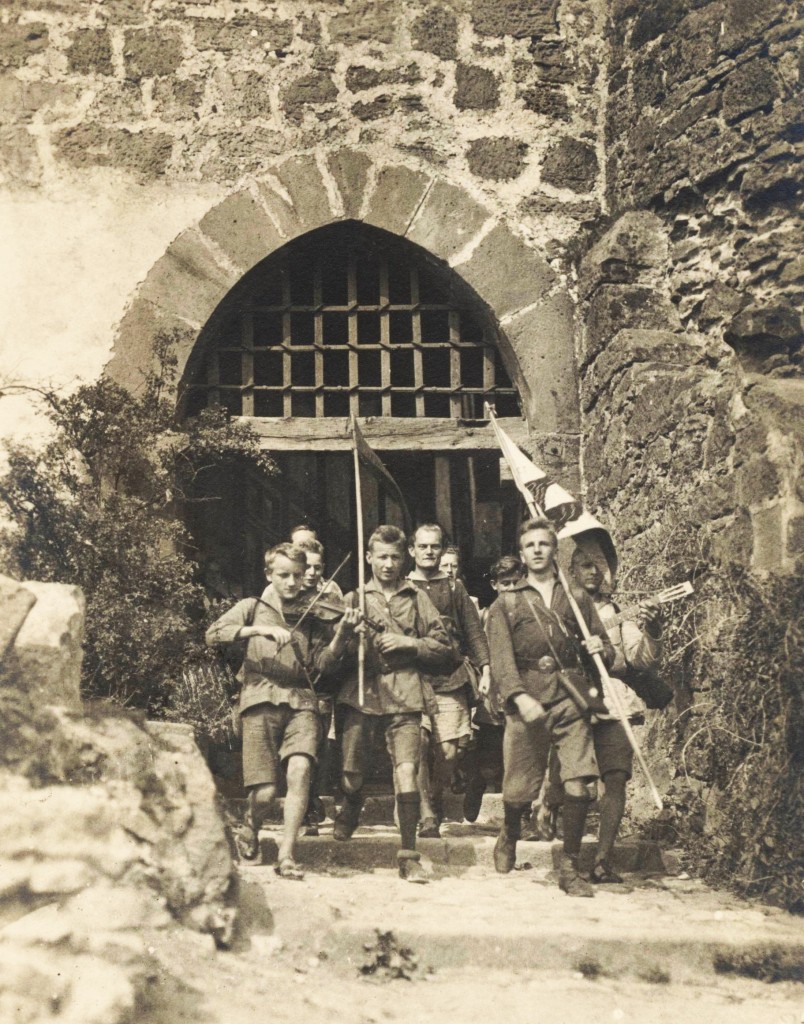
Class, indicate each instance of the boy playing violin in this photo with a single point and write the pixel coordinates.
(278, 702)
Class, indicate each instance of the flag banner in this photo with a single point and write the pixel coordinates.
(370, 459)
(563, 510)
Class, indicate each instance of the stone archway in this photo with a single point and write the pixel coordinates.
(303, 193)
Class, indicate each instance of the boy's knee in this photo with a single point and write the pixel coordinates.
(262, 796)
(352, 782)
(582, 789)
(615, 782)
(406, 776)
(299, 769)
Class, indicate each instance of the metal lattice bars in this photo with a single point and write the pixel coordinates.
(365, 356)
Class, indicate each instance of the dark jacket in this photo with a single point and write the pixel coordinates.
(518, 642)
(462, 623)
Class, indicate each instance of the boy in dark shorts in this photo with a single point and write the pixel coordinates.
(413, 641)
(489, 717)
(444, 732)
(537, 656)
(278, 704)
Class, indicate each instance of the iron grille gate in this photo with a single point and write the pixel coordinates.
(359, 331)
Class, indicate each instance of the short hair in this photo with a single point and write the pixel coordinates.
(291, 551)
(538, 524)
(450, 549)
(315, 546)
(302, 526)
(506, 566)
(388, 534)
(431, 527)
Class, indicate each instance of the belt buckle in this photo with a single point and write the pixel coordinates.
(546, 664)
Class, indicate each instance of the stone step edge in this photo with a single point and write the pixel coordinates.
(459, 853)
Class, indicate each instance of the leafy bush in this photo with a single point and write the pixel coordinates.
(101, 504)
(735, 654)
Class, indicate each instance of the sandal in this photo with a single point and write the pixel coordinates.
(288, 868)
(247, 842)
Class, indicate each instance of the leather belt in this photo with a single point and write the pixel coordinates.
(544, 664)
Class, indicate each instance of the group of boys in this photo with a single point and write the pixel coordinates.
(426, 660)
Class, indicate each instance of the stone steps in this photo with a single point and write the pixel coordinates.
(661, 931)
(462, 847)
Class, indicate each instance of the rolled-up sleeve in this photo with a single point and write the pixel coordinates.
(227, 628)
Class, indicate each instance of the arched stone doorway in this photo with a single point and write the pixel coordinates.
(523, 312)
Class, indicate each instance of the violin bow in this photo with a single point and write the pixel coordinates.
(322, 591)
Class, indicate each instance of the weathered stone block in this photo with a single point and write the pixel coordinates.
(133, 356)
(20, 41)
(148, 54)
(15, 603)
(19, 160)
(90, 52)
(242, 229)
(359, 77)
(543, 340)
(475, 88)
(635, 246)
(46, 657)
(721, 303)
(496, 159)
(365, 19)
(554, 61)
(795, 536)
(778, 326)
(517, 18)
(396, 197)
(244, 33)
(178, 98)
(651, 348)
(758, 481)
(306, 91)
(616, 307)
(752, 86)
(768, 551)
(380, 106)
(302, 180)
(655, 20)
(447, 221)
(436, 31)
(571, 164)
(549, 100)
(350, 170)
(187, 281)
(506, 273)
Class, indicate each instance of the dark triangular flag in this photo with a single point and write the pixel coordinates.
(372, 461)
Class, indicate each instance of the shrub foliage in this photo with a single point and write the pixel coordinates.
(100, 504)
(735, 654)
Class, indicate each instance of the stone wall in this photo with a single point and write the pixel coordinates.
(125, 122)
(691, 357)
(111, 828)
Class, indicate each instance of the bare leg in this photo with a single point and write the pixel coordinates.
(260, 799)
(299, 770)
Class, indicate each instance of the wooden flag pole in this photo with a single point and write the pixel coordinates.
(361, 574)
(537, 512)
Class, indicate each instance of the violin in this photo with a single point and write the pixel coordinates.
(325, 609)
